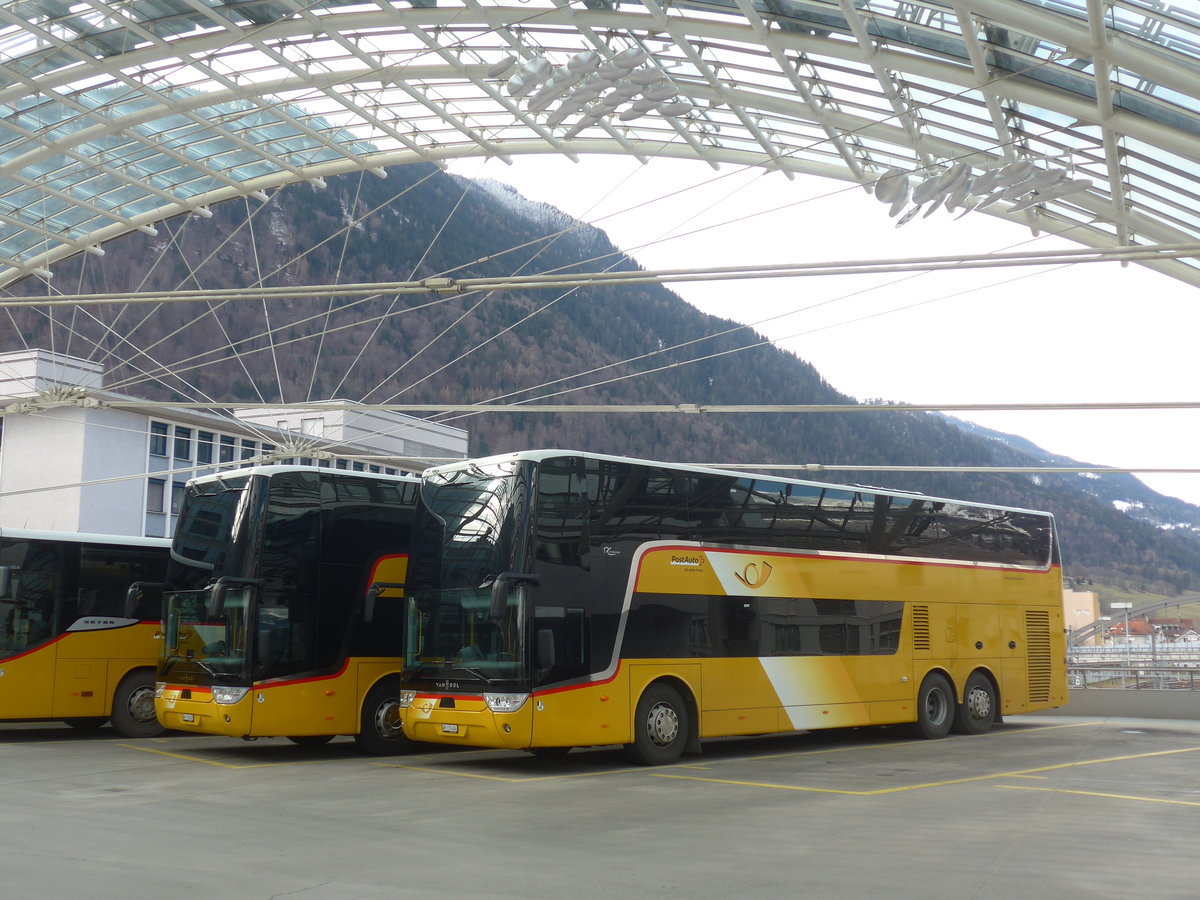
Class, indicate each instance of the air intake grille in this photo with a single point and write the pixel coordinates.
(1037, 639)
(920, 617)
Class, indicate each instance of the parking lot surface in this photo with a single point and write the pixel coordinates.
(1041, 807)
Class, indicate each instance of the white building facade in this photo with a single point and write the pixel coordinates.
(69, 461)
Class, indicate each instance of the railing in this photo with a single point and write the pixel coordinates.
(1155, 654)
(1135, 677)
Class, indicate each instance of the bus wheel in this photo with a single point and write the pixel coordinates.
(88, 723)
(311, 740)
(977, 712)
(133, 706)
(380, 731)
(935, 707)
(661, 726)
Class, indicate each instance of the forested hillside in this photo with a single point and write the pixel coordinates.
(593, 345)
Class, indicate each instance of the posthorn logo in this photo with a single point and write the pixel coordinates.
(754, 575)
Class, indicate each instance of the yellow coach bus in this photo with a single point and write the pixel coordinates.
(569, 599)
(283, 613)
(76, 643)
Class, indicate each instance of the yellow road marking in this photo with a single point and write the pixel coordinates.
(1016, 787)
(503, 778)
(224, 765)
(932, 784)
(892, 744)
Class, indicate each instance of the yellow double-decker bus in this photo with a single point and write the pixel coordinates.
(283, 612)
(569, 599)
(79, 629)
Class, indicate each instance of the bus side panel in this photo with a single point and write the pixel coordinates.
(26, 682)
(836, 692)
(738, 698)
(81, 689)
(591, 715)
(316, 706)
(92, 663)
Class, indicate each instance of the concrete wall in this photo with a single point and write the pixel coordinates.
(1131, 704)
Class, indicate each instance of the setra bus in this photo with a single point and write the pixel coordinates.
(282, 608)
(572, 599)
(80, 632)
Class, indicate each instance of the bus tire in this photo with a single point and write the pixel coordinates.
(380, 731)
(977, 712)
(661, 726)
(935, 707)
(133, 706)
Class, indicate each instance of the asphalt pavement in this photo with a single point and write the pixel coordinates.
(1055, 807)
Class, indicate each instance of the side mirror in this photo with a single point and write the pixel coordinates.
(134, 595)
(502, 586)
(216, 599)
(374, 592)
(546, 655)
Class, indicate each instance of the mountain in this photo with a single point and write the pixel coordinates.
(595, 345)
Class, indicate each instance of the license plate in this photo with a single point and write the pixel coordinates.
(449, 729)
(189, 717)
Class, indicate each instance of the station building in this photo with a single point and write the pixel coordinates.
(71, 459)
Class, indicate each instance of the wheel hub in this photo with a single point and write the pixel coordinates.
(388, 724)
(662, 724)
(141, 705)
(979, 705)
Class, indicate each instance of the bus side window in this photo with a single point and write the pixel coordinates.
(565, 631)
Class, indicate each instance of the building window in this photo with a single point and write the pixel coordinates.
(389, 471)
(158, 438)
(376, 469)
(154, 495)
(359, 467)
(341, 464)
(226, 448)
(248, 448)
(183, 443)
(204, 447)
(176, 497)
(312, 427)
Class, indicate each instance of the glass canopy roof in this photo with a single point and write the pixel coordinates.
(1080, 117)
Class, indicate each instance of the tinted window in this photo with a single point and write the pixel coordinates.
(688, 625)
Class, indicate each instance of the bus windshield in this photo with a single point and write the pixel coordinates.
(207, 597)
(205, 642)
(466, 609)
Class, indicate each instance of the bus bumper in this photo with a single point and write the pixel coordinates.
(193, 709)
(468, 722)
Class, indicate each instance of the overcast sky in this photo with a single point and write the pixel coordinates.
(1092, 332)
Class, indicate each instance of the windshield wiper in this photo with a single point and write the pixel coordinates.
(208, 670)
(474, 672)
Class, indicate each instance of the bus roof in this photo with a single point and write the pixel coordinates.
(82, 537)
(270, 471)
(539, 455)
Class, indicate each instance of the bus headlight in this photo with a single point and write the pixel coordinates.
(406, 698)
(228, 695)
(505, 703)
(159, 687)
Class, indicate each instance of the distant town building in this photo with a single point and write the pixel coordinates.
(70, 461)
(1081, 609)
